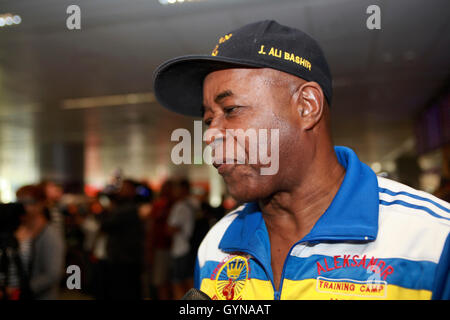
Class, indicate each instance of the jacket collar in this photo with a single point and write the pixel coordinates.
(351, 216)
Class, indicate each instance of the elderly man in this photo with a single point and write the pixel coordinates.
(323, 226)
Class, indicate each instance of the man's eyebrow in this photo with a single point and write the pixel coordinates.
(217, 99)
(223, 95)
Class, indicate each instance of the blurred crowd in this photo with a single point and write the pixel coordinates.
(128, 241)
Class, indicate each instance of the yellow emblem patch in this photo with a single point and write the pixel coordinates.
(231, 278)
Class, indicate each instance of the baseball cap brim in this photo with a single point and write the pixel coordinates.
(178, 83)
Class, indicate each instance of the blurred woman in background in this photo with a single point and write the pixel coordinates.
(41, 245)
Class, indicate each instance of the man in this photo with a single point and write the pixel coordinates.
(324, 226)
(180, 225)
(159, 241)
(54, 194)
(124, 245)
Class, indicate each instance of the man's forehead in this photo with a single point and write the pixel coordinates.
(241, 73)
(222, 84)
(234, 74)
(249, 76)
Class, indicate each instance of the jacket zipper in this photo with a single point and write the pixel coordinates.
(278, 293)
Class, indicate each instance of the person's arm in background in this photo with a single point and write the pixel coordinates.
(173, 221)
(51, 257)
(441, 287)
(181, 219)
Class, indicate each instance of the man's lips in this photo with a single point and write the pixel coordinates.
(226, 164)
(223, 168)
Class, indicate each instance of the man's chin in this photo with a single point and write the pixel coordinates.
(243, 191)
(245, 184)
(243, 196)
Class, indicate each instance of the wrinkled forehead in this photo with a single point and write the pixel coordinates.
(259, 75)
(222, 78)
(245, 80)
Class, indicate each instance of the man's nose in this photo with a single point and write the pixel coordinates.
(214, 135)
(215, 131)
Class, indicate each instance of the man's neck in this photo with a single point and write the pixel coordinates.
(293, 213)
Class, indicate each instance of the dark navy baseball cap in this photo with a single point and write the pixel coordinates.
(178, 83)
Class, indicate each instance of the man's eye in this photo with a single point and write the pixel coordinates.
(230, 109)
(208, 122)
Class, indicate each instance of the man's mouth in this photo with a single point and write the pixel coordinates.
(226, 164)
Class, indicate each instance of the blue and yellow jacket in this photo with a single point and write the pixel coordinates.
(378, 239)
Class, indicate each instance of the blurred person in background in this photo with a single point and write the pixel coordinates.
(181, 225)
(159, 242)
(53, 194)
(41, 245)
(14, 283)
(98, 257)
(90, 226)
(205, 218)
(74, 235)
(143, 199)
(124, 250)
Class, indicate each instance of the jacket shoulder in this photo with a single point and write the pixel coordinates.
(401, 198)
(209, 248)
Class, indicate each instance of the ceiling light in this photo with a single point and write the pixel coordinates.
(17, 19)
(166, 2)
(9, 19)
(108, 101)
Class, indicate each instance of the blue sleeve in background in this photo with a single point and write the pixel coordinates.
(197, 274)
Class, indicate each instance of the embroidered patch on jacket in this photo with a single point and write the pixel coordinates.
(231, 278)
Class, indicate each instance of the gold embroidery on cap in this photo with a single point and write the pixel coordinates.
(221, 40)
(278, 53)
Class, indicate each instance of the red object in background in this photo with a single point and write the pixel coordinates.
(91, 191)
(96, 207)
(11, 294)
(72, 208)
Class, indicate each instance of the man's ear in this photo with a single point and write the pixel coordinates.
(309, 100)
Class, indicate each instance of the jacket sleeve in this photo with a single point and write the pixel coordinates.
(197, 275)
(441, 287)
